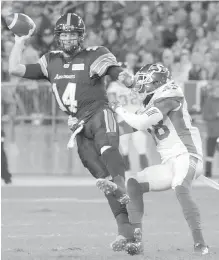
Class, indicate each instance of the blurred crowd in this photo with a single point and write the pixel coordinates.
(184, 36)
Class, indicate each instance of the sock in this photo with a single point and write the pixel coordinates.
(143, 161)
(121, 215)
(145, 187)
(191, 212)
(208, 168)
(136, 205)
(124, 227)
(115, 166)
(127, 162)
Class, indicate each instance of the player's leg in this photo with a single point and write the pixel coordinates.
(186, 168)
(93, 162)
(140, 143)
(5, 174)
(211, 145)
(90, 158)
(106, 137)
(154, 178)
(124, 148)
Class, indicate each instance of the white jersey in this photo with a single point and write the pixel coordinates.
(175, 134)
(127, 98)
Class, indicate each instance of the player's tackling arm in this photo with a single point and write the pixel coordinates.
(151, 116)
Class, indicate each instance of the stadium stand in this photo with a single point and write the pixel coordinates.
(182, 35)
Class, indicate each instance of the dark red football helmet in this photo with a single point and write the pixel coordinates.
(69, 23)
(151, 77)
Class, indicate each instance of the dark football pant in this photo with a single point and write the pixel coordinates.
(100, 130)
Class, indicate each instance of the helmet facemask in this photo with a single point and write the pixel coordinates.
(69, 40)
(147, 82)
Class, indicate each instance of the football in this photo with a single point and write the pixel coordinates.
(19, 23)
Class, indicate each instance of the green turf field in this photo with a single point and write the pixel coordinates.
(63, 223)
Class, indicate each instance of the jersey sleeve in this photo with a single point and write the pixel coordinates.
(170, 91)
(101, 60)
(38, 70)
(170, 99)
(44, 61)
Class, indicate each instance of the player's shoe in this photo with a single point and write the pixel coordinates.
(109, 187)
(136, 247)
(200, 248)
(119, 244)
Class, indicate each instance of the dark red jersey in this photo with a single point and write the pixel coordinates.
(77, 83)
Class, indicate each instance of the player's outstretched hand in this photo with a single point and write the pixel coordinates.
(24, 38)
(113, 105)
(126, 78)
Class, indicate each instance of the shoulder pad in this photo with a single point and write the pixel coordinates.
(169, 91)
(100, 60)
(100, 49)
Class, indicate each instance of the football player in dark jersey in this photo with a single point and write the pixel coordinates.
(76, 75)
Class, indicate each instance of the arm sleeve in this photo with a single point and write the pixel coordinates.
(113, 72)
(33, 71)
(102, 60)
(141, 122)
(38, 70)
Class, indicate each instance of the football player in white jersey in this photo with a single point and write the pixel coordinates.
(164, 114)
(116, 91)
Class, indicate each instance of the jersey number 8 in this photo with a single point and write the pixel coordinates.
(68, 97)
(161, 131)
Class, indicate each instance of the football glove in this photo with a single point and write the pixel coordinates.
(126, 78)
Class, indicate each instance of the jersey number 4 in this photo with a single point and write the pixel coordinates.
(68, 97)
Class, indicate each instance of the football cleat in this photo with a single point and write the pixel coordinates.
(124, 199)
(119, 244)
(136, 247)
(200, 248)
(109, 187)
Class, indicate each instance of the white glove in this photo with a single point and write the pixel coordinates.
(126, 78)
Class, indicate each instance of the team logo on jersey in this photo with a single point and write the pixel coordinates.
(66, 66)
(78, 66)
(64, 76)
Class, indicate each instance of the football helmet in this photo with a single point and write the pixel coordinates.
(151, 77)
(70, 23)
